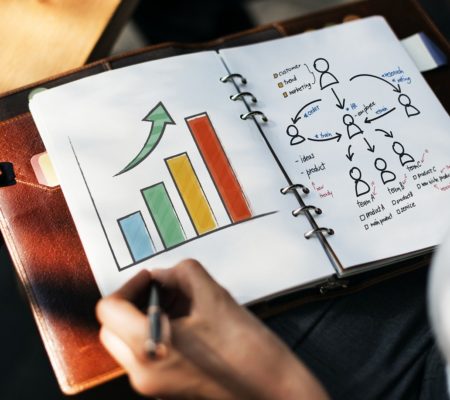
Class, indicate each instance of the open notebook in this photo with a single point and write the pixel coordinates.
(174, 158)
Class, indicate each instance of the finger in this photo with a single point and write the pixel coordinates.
(124, 320)
(145, 377)
(136, 286)
(118, 349)
(166, 330)
(189, 277)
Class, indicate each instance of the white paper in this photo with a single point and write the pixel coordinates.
(94, 127)
(394, 139)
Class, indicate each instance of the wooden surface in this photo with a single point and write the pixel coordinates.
(40, 38)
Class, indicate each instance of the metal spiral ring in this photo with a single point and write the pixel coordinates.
(253, 114)
(299, 210)
(317, 230)
(226, 78)
(237, 96)
(291, 188)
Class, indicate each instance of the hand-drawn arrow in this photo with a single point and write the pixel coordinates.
(297, 116)
(387, 134)
(338, 137)
(349, 155)
(339, 105)
(368, 121)
(369, 147)
(397, 87)
(159, 118)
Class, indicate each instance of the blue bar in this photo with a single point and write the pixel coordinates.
(136, 235)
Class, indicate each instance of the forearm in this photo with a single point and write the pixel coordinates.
(211, 347)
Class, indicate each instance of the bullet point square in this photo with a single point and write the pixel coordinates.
(285, 94)
(275, 76)
(280, 84)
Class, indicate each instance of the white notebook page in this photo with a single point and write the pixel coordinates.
(130, 205)
(351, 117)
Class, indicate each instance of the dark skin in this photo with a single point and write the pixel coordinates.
(211, 348)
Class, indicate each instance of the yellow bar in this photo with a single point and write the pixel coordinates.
(191, 193)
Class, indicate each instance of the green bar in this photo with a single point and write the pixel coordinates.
(163, 215)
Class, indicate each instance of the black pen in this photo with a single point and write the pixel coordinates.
(154, 319)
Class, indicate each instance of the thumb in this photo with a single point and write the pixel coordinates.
(189, 279)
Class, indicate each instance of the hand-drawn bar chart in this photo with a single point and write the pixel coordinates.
(219, 167)
(159, 210)
(136, 236)
(190, 190)
(191, 193)
(164, 215)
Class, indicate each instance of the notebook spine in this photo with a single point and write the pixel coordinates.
(307, 210)
(242, 96)
(310, 212)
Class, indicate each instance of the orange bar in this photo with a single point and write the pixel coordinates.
(219, 167)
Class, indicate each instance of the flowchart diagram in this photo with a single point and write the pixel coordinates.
(361, 125)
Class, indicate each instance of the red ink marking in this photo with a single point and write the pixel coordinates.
(443, 188)
(443, 169)
(320, 188)
(326, 194)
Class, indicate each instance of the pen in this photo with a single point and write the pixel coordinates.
(154, 319)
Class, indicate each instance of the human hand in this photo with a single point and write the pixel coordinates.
(211, 348)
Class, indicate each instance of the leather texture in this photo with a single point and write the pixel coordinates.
(38, 229)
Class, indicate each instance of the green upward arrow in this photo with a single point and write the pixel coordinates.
(159, 118)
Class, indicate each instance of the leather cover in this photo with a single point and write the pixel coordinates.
(38, 229)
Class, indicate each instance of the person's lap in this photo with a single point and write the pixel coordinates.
(374, 344)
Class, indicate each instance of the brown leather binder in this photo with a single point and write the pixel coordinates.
(38, 229)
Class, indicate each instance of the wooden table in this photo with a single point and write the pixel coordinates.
(40, 38)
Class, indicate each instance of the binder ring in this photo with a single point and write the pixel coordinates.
(299, 210)
(226, 78)
(315, 231)
(253, 114)
(237, 96)
(291, 188)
